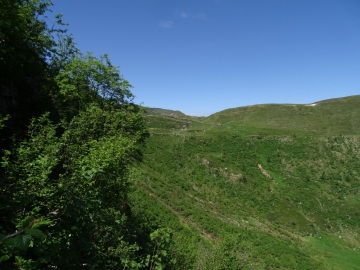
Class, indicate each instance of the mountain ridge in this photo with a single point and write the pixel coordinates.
(163, 111)
(327, 117)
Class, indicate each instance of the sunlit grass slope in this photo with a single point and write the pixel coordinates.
(329, 117)
(260, 187)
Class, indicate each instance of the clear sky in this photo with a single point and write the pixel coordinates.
(203, 56)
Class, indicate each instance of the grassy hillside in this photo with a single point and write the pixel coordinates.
(329, 117)
(165, 121)
(164, 112)
(260, 187)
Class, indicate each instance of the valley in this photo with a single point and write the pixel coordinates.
(259, 187)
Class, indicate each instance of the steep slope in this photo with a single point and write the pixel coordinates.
(281, 198)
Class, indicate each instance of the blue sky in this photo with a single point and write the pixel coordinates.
(203, 56)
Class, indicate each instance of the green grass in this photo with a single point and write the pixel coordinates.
(330, 117)
(205, 178)
(335, 253)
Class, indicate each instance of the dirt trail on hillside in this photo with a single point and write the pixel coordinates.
(264, 172)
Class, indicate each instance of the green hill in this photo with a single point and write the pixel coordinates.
(329, 117)
(258, 187)
(164, 121)
(164, 112)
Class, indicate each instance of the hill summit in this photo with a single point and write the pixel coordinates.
(333, 116)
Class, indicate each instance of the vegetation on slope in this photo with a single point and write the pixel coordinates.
(164, 112)
(330, 117)
(260, 187)
(70, 139)
(259, 197)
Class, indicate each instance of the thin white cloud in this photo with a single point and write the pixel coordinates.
(194, 16)
(166, 24)
(184, 15)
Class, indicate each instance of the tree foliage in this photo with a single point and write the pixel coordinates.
(26, 43)
(71, 139)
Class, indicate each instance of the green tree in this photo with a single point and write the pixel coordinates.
(26, 43)
(65, 180)
(85, 79)
(70, 171)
